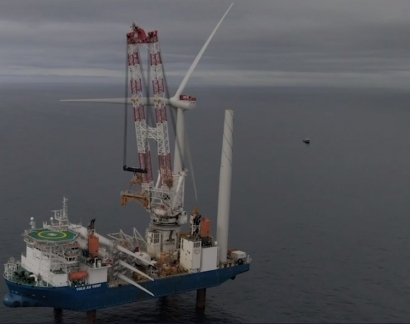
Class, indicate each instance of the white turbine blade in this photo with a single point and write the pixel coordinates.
(132, 282)
(174, 116)
(173, 112)
(191, 167)
(198, 57)
(126, 265)
(146, 101)
(107, 100)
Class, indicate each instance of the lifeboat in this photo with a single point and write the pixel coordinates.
(78, 275)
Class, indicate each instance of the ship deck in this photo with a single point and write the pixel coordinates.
(47, 235)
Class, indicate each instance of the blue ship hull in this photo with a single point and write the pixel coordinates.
(92, 297)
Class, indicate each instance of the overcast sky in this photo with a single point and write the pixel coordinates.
(260, 43)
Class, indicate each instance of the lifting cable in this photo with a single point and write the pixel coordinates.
(124, 160)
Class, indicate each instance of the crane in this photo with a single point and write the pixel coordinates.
(163, 200)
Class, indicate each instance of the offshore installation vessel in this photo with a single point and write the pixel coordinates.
(70, 266)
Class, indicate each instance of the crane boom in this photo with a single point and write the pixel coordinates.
(160, 106)
(134, 39)
(163, 193)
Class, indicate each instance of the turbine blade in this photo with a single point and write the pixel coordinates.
(191, 167)
(173, 113)
(173, 122)
(108, 100)
(198, 57)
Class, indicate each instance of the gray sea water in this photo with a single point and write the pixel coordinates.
(326, 224)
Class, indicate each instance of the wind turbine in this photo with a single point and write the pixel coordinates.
(179, 103)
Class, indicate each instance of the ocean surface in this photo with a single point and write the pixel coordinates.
(327, 224)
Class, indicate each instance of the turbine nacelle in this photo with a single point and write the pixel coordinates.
(183, 102)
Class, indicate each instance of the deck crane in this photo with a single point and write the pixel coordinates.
(164, 200)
